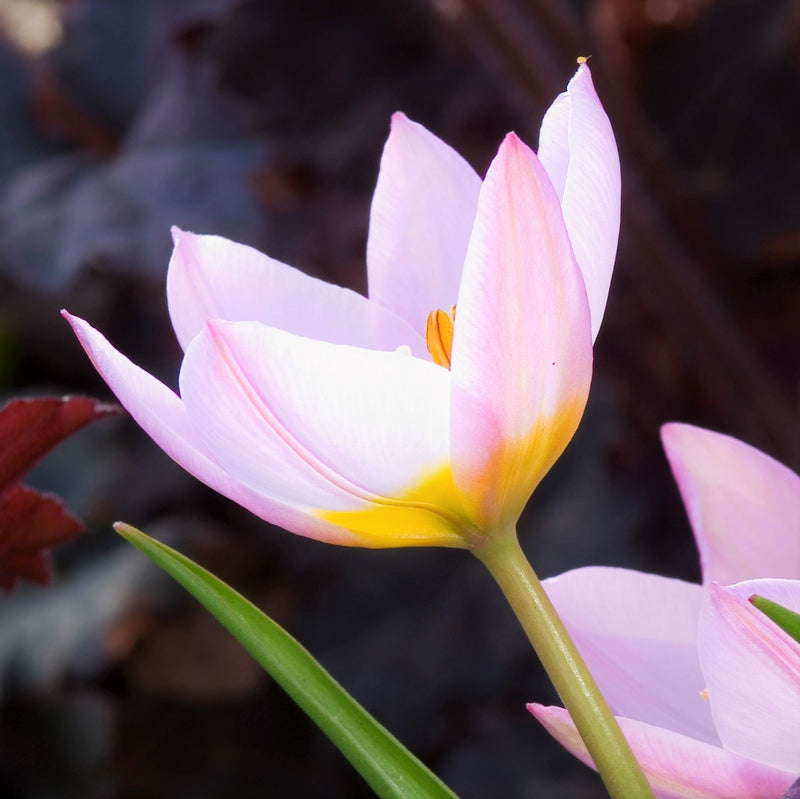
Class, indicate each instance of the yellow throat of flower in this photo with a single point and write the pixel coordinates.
(439, 335)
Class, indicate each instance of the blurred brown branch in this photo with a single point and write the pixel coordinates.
(676, 270)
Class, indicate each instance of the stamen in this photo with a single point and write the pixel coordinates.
(439, 335)
(704, 694)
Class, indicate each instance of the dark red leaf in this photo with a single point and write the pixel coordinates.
(31, 566)
(31, 523)
(30, 428)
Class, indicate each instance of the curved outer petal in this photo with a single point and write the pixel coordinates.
(744, 506)
(421, 217)
(522, 349)
(163, 417)
(638, 635)
(358, 437)
(752, 669)
(677, 766)
(578, 150)
(210, 277)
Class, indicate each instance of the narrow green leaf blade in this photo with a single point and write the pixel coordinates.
(786, 619)
(387, 766)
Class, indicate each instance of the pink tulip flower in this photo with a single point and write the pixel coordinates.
(744, 507)
(389, 421)
(705, 687)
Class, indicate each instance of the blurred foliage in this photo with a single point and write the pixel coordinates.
(32, 523)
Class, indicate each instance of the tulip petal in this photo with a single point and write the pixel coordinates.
(421, 217)
(752, 669)
(638, 635)
(163, 417)
(744, 506)
(578, 150)
(522, 348)
(554, 142)
(357, 436)
(210, 277)
(676, 766)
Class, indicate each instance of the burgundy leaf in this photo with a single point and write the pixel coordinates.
(30, 428)
(31, 523)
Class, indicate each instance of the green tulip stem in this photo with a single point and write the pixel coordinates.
(610, 752)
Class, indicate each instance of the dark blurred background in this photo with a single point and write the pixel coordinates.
(264, 121)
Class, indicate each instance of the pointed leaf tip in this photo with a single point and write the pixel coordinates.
(786, 619)
(31, 426)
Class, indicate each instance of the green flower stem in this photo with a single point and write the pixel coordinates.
(622, 775)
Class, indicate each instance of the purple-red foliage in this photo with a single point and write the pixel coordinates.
(32, 523)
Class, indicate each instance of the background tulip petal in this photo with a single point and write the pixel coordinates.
(676, 766)
(638, 635)
(752, 670)
(578, 150)
(210, 277)
(522, 350)
(335, 428)
(421, 217)
(744, 506)
(162, 415)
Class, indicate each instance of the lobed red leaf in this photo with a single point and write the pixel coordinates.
(32, 523)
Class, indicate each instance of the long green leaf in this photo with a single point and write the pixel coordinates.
(387, 766)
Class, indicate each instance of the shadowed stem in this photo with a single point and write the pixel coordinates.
(610, 752)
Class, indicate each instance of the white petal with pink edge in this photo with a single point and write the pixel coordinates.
(210, 277)
(522, 349)
(420, 221)
(677, 766)
(162, 415)
(578, 150)
(752, 669)
(337, 426)
(638, 634)
(744, 506)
